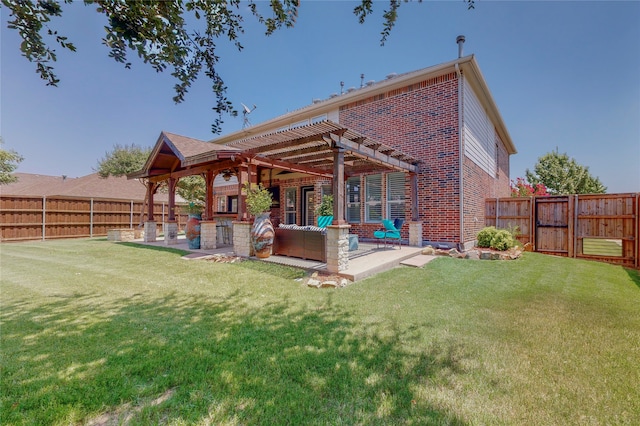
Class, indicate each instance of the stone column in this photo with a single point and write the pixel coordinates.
(208, 234)
(150, 228)
(337, 248)
(415, 234)
(242, 238)
(170, 233)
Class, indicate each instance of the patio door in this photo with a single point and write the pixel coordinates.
(308, 206)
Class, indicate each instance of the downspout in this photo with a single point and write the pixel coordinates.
(461, 152)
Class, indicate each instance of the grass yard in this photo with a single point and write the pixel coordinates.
(101, 333)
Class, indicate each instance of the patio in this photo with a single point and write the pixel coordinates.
(364, 262)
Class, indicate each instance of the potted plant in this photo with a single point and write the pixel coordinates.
(325, 211)
(192, 229)
(258, 203)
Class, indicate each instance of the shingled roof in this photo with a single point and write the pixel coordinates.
(90, 186)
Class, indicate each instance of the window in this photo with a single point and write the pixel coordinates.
(327, 190)
(290, 206)
(395, 195)
(353, 200)
(232, 204)
(373, 198)
(222, 203)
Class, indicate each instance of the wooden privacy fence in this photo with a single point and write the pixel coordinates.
(37, 217)
(602, 227)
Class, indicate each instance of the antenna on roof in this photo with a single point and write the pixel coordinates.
(361, 81)
(245, 113)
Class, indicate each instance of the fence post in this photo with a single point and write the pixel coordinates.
(131, 215)
(91, 219)
(44, 215)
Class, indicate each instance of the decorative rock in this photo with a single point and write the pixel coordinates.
(528, 247)
(453, 253)
(326, 284)
(473, 255)
(496, 256)
(428, 250)
(312, 282)
(485, 255)
(344, 282)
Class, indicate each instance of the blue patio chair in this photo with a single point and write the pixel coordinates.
(389, 233)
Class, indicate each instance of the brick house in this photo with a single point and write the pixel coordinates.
(428, 146)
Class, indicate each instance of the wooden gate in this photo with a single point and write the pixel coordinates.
(604, 227)
(552, 226)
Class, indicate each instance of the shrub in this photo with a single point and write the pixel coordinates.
(486, 235)
(502, 240)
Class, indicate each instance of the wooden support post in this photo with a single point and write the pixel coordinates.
(150, 191)
(338, 187)
(208, 198)
(172, 199)
(242, 198)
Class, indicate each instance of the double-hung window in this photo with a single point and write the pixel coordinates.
(353, 195)
(373, 198)
(395, 195)
(290, 206)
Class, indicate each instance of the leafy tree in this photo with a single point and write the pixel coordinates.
(180, 34)
(563, 175)
(192, 189)
(9, 160)
(122, 160)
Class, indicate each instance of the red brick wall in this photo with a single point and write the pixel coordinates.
(421, 120)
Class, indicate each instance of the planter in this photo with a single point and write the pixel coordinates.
(192, 230)
(262, 234)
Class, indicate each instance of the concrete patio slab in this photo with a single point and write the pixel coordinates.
(368, 260)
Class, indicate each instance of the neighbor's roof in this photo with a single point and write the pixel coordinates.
(89, 186)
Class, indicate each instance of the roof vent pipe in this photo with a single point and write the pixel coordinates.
(460, 41)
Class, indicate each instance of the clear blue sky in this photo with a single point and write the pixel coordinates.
(564, 75)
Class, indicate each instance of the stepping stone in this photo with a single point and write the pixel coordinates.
(418, 261)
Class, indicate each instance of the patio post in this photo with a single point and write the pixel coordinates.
(172, 199)
(338, 187)
(208, 198)
(150, 226)
(337, 248)
(242, 197)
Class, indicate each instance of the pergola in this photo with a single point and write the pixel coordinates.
(325, 149)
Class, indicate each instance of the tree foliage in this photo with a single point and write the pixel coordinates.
(181, 35)
(9, 161)
(192, 189)
(563, 175)
(123, 159)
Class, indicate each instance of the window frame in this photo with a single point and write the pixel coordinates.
(290, 209)
(393, 200)
(371, 193)
(353, 198)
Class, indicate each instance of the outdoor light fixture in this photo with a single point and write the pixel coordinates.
(226, 175)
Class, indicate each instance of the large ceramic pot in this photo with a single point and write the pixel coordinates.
(262, 234)
(192, 230)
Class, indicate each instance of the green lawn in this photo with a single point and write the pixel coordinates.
(94, 332)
